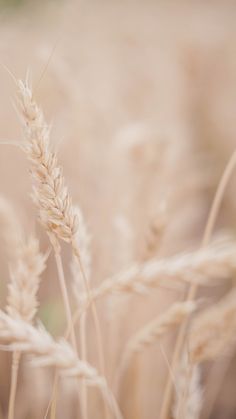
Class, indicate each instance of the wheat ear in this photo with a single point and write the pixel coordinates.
(25, 279)
(10, 228)
(22, 298)
(216, 261)
(212, 335)
(50, 193)
(18, 335)
(152, 332)
(188, 397)
(213, 331)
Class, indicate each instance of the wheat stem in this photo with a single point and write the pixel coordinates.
(83, 351)
(94, 314)
(53, 400)
(68, 312)
(65, 297)
(14, 376)
(93, 308)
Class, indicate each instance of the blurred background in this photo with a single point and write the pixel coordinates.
(141, 97)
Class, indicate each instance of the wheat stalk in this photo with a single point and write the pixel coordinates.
(83, 244)
(81, 276)
(82, 239)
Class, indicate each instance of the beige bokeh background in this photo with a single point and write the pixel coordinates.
(141, 97)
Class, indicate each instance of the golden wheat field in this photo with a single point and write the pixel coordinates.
(117, 209)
